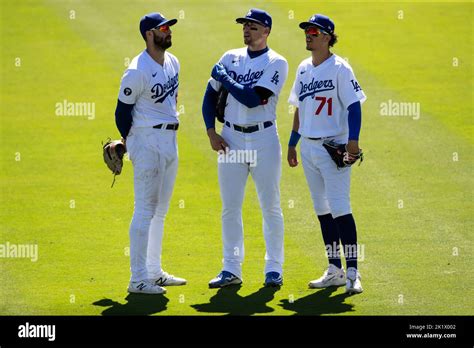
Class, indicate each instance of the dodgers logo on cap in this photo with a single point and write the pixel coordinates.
(257, 16)
(321, 21)
(153, 20)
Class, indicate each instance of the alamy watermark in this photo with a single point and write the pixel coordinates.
(351, 251)
(66, 108)
(27, 251)
(37, 331)
(393, 108)
(237, 156)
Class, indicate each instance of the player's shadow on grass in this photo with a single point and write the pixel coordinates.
(227, 300)
(137, 304)
(318, 303)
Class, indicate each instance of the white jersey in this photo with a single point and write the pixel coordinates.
(269, 70)
(322, 95)
(152, 88)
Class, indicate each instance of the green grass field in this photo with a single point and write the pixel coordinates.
(412, 197)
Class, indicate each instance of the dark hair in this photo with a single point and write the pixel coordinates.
(333, 40)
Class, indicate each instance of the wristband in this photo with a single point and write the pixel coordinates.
(294, 138)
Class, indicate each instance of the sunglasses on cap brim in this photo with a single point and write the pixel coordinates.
(162, 28)
(315, 31)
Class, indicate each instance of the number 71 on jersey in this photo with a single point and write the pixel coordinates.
(322, 102)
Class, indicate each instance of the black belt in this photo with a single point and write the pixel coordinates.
(249, 129)
(173, 126)
(321, 138)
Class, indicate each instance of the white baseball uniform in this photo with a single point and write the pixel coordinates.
(154, 154)
(322, 95)
(269, 70)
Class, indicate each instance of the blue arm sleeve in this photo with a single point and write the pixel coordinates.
(209, 107)
(245, 95)
(355, 120)
(123, 118)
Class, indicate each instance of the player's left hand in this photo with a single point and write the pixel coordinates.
(218, 72)
(353, 147)
(353, 152)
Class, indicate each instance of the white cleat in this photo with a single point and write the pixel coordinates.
(333, 276)
(353, 285)
(145, 287)
(166, 279)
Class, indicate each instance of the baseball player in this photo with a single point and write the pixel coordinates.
(328, 101)
(147, 119)
(253, 76)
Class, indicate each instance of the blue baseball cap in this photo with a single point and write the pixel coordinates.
(321, 21)
(258, 16)
(153, 20)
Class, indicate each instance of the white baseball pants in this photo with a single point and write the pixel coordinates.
(154, 155)
(329, 186)
(266, 173)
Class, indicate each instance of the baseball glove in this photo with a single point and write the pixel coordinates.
(221, 104)
(113, 151)
(340, 155)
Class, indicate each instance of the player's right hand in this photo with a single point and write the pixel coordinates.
(292, 156)
(217, 142)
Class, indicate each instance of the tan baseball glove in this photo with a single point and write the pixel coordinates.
(113, 151)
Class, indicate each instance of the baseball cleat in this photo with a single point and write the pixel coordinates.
(224, 279)
(333, 276)
(145, 287)
(166, 279)
(353, 284)
(273, 279)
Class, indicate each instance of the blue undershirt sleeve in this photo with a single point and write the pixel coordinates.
(245, 95)
(209, 107)
(355, 120)
(123, 118)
